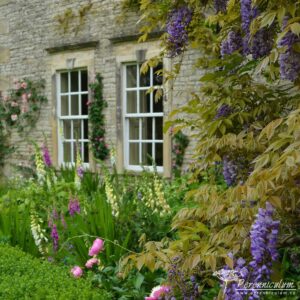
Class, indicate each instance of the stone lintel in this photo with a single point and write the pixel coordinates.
(72, 47)
(134, 37)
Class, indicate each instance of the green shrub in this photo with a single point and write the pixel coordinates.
(24, 277)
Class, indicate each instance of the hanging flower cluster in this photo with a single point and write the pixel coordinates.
(177, 24)
(38, 233)
(230, 171)
(220, 5)
(223, 111)
(264, 236)
(97, 120)
(234, 42)
(289, 61)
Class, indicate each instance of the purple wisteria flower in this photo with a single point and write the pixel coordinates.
(220, 5)
(178, 21)
(55, 237)
(264, 236)
(46, 156)
(223, 111)
(230, 170)
(74, 206)
(233, 43)
(262, 42)
(289, 61)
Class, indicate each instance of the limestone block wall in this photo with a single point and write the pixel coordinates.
(32, 34)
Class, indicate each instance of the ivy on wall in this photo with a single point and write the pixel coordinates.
(180, 143)
(96, 119)
(19, 110)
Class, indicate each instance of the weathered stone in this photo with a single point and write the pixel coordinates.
(4, 55)
(4, 83)
(4, 2)
(4, 28)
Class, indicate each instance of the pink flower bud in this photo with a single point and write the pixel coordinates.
(14, 117)
(93, 261)
(76, 272)
(96, 247)
(24, 85)
(24, 97)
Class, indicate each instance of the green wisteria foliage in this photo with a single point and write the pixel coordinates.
(245, 119)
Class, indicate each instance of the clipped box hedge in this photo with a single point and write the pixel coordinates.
(25, 277)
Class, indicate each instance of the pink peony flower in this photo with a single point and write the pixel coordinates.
(96, 247)
(93, 261)
(158, 291)
(76, 272)
(24, 85)
(14, 117)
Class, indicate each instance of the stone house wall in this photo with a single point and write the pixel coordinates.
(32, 41)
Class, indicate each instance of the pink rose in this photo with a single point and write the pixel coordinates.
(24, 109)
(93, 261)
(14, 104)
(96, 247)
(24, 85)
(5, 98)
(29, 95)
(14, 117)
(76, 272)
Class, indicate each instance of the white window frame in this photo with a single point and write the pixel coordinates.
(70, 117)
(127, 116)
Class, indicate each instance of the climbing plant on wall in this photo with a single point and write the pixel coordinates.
(19, 111)
(97, 120)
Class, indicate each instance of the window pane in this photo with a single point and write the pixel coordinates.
(74, 105)
(77, 129)
(157, 75)
(84, 106)
(67, 129)
(159, 154)
(144, 102)
(145, 78)
(85, 129)
(147, 154)
(147, 128)
(132, 102)
(84, 81)
(159, 128)
(158, 101)
(86, 152)
(74, 81)
(134, 154)
(67, 152)
(133, 128)
(131, 76)
(64, 107)
(64, 82)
